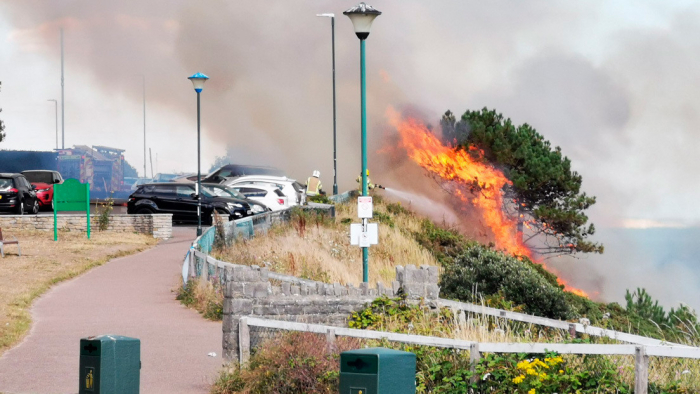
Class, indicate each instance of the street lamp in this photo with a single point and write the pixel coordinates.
(335, 160)
(56, 107)
(198, 82)
(362, 16)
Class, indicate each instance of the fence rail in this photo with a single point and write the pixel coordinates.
(640, 352)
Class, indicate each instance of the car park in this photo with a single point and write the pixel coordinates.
(17, 195)
(180, 199)
(43, 181)
(267, 194)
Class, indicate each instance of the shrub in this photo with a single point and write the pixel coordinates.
(289, 364)
(444, 243)
(104, 210)
(321, 199)
(480, 270)
(206, 298)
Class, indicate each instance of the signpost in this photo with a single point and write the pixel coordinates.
(364, 234)
(71, 195)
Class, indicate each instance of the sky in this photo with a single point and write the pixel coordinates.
(612, 83)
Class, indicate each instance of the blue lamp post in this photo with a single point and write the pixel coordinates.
(198, 82)
(362, 16)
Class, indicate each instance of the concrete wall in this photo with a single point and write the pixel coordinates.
(158, 225)
(249, 292)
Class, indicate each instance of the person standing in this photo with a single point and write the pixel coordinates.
(313, 184)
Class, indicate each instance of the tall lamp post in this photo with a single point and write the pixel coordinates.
(362, 16)
(335, 160)
(56, 107)
(198, 82)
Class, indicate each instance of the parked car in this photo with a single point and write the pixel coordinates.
(264, 193)
(291, 188)
(180, 199)
(43, 181)
(17, 195)
(236, 170)
(140, 181)
(225, 191)
(161, 177)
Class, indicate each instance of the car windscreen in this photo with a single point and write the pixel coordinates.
(222, 191)
(39, 176)
(6, 184)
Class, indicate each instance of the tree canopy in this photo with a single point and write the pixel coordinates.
(544, 187)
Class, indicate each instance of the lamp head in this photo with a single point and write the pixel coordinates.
(198, 81)
(362, 16)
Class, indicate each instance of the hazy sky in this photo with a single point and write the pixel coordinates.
(612, 83)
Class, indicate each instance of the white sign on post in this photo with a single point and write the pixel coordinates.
(364, 207)
(364, 239)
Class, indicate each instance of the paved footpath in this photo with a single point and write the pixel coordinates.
(128, 296)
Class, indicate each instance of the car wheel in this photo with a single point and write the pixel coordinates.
(35, 208)
(145, 211)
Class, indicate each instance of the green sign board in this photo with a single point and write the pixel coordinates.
(71, 195)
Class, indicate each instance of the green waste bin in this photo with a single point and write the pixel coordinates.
(377, 371)
(110, 364)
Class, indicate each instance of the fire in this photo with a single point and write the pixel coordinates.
(485, 182)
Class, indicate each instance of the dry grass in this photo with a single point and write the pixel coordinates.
(44, 263)
(323, 252)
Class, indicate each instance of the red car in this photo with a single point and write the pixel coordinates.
(43, 180)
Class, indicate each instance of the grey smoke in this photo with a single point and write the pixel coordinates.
(615, 87)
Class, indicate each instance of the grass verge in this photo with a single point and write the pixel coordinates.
(204, 297)
(45, 263)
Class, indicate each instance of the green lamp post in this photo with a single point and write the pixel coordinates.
(198, 80)
(362, 16)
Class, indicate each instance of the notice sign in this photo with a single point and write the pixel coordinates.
(364, 239)
(364, 207)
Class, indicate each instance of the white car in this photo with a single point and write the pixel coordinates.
(266, 194)
(294, 192)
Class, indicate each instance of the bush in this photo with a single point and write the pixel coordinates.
(206, 298)
(321, 199)
(443, 243)
(480, 270)
(290, 364)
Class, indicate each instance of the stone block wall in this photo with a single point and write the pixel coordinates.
(250, 292)
(158, 225)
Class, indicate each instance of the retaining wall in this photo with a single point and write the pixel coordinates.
(158, 225)
(250, 292)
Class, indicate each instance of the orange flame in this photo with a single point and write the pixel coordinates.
(485, 182)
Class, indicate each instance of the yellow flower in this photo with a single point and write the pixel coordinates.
(531, 371)
(518, 379)
(532, 391)
(560, 371)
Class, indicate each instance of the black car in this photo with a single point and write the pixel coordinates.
(225, 191)
(17, 195)
(237, 170)
(180, 199)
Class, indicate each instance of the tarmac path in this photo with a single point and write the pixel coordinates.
(129, 296)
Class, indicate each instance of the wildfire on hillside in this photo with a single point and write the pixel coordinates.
(470, 179)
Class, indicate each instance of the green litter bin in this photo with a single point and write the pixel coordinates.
(377, 371)
(110, 364)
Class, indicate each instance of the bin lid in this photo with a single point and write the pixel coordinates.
(92, 346)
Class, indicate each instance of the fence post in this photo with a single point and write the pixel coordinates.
(193, 266)
(330, 340)
(243, 341)
(474, 357)
(641, 370)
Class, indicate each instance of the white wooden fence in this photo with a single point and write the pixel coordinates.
(640, 352)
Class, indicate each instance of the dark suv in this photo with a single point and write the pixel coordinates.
(17, 195)
(180, 199)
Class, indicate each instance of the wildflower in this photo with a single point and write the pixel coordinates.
(560, 371)
(531, 371)
(518, 379)
(532, 391)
